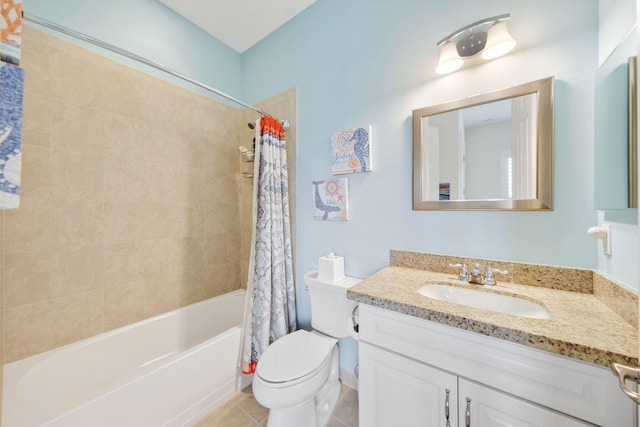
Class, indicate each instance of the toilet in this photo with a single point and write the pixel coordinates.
(297, 377)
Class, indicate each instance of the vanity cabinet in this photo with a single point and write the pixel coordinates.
(397, 391)
(407, 365)
(485, 407)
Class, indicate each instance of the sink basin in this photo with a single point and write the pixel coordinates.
(485, 300)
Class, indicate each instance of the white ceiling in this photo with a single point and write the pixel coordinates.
(238, 23)
(484, 114)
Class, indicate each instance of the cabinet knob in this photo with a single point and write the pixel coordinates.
(468, 414)
(446, 407)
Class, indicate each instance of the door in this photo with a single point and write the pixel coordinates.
(481, 406)
(398, 391)
(430, 163)
(462, 176)
(629, 378)
(523, 148)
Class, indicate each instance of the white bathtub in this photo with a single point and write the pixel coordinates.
(170, 370)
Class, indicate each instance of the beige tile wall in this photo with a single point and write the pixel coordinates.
(129, 204)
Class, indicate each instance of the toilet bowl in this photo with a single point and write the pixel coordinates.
(299, 379)
(298, 376)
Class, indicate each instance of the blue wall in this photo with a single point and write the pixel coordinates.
(153, 31)
(371, 62)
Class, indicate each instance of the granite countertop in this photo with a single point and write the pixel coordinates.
(580, 326)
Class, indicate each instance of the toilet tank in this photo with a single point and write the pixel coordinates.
(330, 308)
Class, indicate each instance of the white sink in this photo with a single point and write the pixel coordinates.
(485, 300)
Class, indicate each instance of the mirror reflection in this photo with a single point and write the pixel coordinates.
(486, 151)
(492, 151)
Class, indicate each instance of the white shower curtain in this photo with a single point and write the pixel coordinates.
(271, 303)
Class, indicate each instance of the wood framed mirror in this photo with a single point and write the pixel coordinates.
(487, 152)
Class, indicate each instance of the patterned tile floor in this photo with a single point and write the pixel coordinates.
(244, 411)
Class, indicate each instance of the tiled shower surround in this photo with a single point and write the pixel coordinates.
(130, 200)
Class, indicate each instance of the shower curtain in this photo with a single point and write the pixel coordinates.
(271, 303)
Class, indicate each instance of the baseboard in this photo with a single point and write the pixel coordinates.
(348, 378)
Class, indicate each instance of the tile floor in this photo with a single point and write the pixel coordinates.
(244, 411)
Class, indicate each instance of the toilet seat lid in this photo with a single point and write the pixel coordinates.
(294, 356)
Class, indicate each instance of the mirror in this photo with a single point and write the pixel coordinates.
(615, 134)
(487, 152)
(633, 131)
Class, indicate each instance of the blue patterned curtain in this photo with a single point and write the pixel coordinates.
(271, 301)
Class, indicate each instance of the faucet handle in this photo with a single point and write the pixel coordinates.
(476, 269)
(464, 272)
(488, 275)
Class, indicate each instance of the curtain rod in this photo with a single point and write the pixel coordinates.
(145, 61)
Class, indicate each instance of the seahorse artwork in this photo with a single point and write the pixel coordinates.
(331, 199)
(361, 146)
(351, 150)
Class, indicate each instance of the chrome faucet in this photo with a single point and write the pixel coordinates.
(476, 275)
(464, 272)
(488, 275)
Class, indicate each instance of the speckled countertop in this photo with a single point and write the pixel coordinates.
(580, 325)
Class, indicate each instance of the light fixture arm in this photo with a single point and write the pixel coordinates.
(456, 33)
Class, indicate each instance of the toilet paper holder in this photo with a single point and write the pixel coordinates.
(356, 324)
(602, 232)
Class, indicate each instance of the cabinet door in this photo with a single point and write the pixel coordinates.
(397, 391)
(480, 406)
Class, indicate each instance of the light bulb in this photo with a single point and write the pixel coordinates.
(449, 61)
(499, 41)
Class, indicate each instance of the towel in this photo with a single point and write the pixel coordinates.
(10, 30)
(11, 96)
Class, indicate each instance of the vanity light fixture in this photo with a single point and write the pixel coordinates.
(488, 37)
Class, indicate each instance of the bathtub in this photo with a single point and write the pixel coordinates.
(169, 370)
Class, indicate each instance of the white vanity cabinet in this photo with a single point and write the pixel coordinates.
(479, 405)
(407, 365)
(397, 391)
